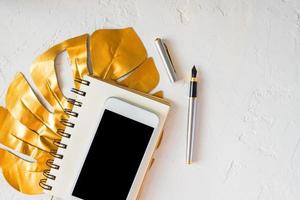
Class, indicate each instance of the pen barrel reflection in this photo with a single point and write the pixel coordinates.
(191, 129)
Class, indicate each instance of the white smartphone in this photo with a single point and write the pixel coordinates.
(120, 152)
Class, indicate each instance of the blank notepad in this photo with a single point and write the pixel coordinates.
(99, 153)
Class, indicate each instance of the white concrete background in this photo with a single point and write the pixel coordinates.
(248, 138)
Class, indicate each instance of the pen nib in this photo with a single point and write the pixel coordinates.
(194, 72)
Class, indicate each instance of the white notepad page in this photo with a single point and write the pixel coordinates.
(86, 125)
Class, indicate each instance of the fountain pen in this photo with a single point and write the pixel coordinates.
(191, 116)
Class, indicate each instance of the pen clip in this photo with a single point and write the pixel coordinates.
(168, 53)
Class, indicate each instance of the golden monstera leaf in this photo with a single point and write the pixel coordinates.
(29, 128)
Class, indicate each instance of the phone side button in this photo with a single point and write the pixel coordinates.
(159, 140)
(151, 163)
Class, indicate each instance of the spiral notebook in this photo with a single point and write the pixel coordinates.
(77, 154)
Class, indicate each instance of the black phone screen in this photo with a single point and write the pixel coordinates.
(113, 159)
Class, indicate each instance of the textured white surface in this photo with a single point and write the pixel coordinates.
(248, 140)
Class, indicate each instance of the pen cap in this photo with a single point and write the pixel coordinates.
(165, 56)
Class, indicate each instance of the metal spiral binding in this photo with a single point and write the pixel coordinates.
(50, 162)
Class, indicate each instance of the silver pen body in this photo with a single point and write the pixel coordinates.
(191, 129)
